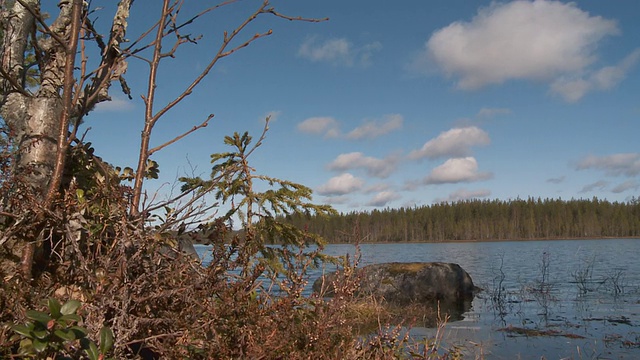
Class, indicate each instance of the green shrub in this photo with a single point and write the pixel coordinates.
(55, 334)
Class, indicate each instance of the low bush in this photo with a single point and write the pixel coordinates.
(129, 276)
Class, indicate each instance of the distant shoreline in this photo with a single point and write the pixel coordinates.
(487, 241)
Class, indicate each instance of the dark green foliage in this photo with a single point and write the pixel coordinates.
(486, 220)
(260, 212)
(55, 334)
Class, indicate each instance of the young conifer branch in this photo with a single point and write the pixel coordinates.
(152, 118)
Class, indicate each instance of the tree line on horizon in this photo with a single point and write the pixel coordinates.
(481, 220)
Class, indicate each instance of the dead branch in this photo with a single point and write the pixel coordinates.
(179, 137)
(38, 17)
(67, 105)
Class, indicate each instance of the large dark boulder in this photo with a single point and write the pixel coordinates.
(184, 246)
(433, 284)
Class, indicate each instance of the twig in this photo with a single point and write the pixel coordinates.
(38, 17)
(14, 83)
(178, 138)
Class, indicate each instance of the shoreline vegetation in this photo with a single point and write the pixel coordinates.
(482, 221)
(604, 238)
(92, 265)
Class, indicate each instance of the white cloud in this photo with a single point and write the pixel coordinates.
(557, 180)
(455, 171)
(573, 87)
(326, 126)
(463, 194)
(627, 164)
(338, 51)
(526, 40)
(600, 185)
(341, 185)
(380, 168)
(116, 104)
(376, 188)
(329, 127)
(411, 185)
(627, 185)
(373, 129)
(337, 200)
(272, 115)
(452, 143)
(383, 198)
(492, 112)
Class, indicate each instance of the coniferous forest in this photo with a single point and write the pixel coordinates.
(482, 220)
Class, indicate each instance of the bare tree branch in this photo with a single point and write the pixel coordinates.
(67, 101)
(113, 64)
(38, 17)
(18, 26)
(178, 138)
(167, 18)
(149, 120)
(14, 84)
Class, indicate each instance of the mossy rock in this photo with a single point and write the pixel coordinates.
(433, 284)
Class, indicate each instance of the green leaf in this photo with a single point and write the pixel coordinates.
(26, 347)
(65, 334)
(69, 318)
(40, 334)
(38, 316)
(79, 331)
(40, 345)
(54, 306)
(85, 344)
(70, 307)
(106, 340)
(80, 195)
(24, 330)
(92, 350)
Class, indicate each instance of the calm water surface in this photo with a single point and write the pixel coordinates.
(588, 288)
(584, 293)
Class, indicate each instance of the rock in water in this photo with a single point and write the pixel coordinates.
(431, 283)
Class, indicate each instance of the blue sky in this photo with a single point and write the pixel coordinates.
(393, 104)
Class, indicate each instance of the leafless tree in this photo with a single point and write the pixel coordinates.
(43, 118)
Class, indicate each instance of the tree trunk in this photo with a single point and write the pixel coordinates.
(34, 119)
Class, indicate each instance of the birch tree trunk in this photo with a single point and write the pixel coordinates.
(33, 118)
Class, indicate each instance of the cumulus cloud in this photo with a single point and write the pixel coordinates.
(380, 168)
(337, 200)
(573, 87)
(383, 198)
(341, 185)
(627, 185)
(326, 126)
(116, 104)
(452, 143)
(373, 129)
(456, 171)
(523, 40)
(370, 129)
(599, 185)
(338, 51)
(463, 194)
(627, 164)
(376, 188)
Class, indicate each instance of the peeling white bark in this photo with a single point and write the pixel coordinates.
(18, 26)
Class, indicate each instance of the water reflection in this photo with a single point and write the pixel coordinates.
(533, 286)
(588, 291)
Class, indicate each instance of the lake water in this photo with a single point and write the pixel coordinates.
(569, 299)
